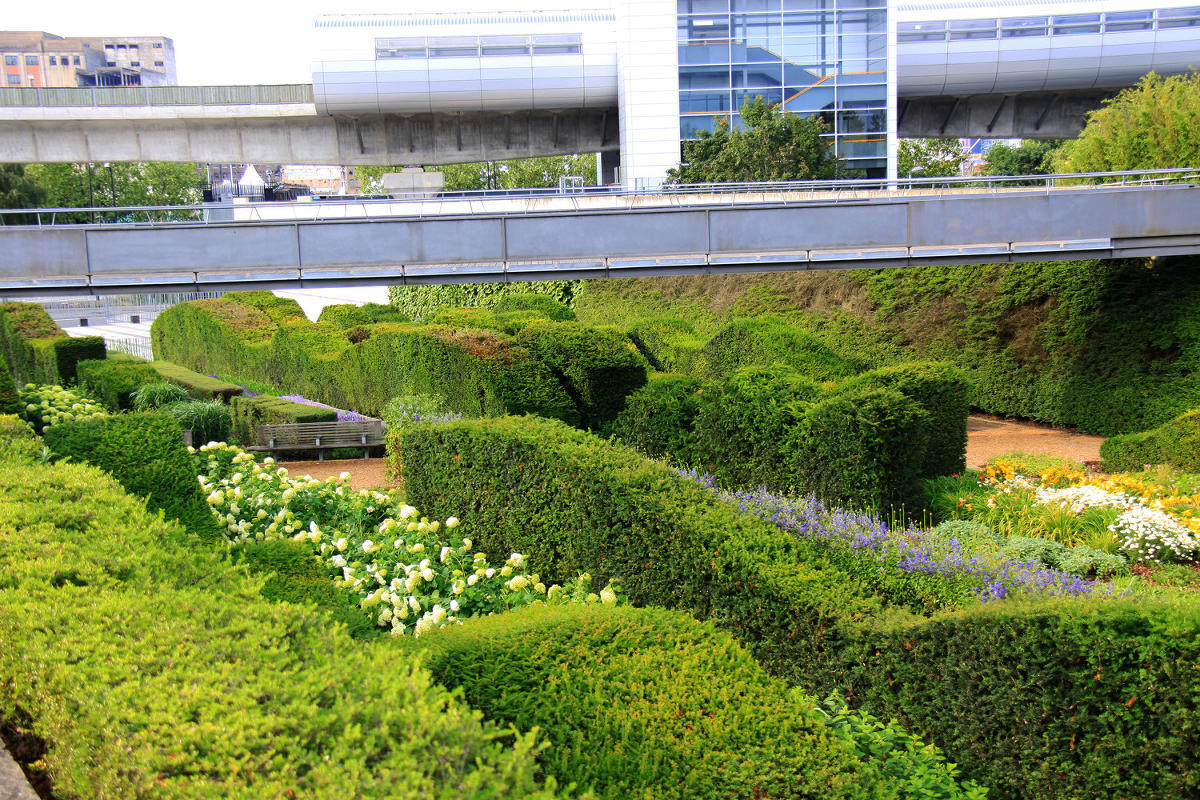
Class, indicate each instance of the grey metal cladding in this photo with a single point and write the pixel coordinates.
(599, 235)
(44, 254)
(233, 247)
(742, 230)
(401, 242)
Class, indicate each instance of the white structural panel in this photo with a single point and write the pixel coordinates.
(1019, 46)
(466, 61)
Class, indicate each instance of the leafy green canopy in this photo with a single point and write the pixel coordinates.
(1031, 157)
(1148, 126)
(930, 158)
(772, 145)
(517, 173)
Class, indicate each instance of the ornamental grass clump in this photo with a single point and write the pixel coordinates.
(410, 574)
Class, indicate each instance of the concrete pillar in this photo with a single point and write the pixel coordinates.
(610, 166)
(647, 90)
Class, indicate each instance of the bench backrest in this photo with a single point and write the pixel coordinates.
(307, 432)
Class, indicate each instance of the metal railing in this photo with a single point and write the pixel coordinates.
(484, 202)
(100, 96)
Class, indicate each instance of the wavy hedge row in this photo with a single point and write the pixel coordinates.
(36, 350)
(650, 703)
(1175, 443)
(152, 668)
(562, 370)
(1048, 699)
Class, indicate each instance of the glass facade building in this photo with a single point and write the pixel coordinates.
(815, 57)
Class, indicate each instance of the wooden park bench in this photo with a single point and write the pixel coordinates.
(319, 436)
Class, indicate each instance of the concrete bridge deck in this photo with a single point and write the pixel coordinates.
(715, 229)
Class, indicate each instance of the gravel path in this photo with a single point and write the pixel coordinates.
(987, 437)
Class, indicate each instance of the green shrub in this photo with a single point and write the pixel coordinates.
(647, 703)
(69, 352)
(18, 442)
(201, 387)
(863, 449)
(152, 669)
(1175, 443)
(114, 382)
(482, 318)
(972, 537)
(421, 302)
(146, 454)
(10, 402)
(744, 424)
(156, 395)
(1090, 562)
(208, 420)
(250, 412)
(573, 503)
(544, 305)
(670, 345)
(597, 368)
(345, 316)
(384, 313)
(945, 393)
(1062, 698)
(766, 340)
(37, 350)
(1033, 548)
(45, 406)
(658, 419)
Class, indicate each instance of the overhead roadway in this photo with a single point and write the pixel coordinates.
(515, 239)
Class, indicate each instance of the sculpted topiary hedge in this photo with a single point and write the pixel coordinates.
(477, 371)
(37, 350)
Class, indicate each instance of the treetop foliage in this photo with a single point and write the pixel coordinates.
(1030, 157)
(930, 158)
(1152, 125)
(772, 145)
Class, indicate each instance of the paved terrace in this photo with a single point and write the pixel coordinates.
(693, 230)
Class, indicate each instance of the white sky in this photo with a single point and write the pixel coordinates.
(219, 41)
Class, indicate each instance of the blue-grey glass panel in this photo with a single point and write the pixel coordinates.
(1022, 26)
(750, 75)
(754, 6)
(862, 22)
(699, 53)
(813, 98)
(753, 54)
(755, 28)
(806, 5)
(862, 121)
(1185, 22)
(1115, 21)
(920, 31)
(702, 28)
(861, 96)
(690, 126)
(850, 148)
(703, 6)
(796, 75)
(1178, 17)
(714, 77)
(742, 96)
(973, 29)
(809, 24)
(703, 101)
(818, 50)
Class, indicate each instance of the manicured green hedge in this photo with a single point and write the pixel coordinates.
(863, 448)
(422, 302)
(477, 371)
(1040, 700)
(597, 368)
(345, 316)
(766, 340)
(658, 419)
(264, 409)
(18, 442)
(201, 387)
(37, 350)
(1175, 443)
(543, 304)
(944, 392)
(647, 703)
(573, 503)
(10, 401)
(744, 424)
(153, 669)
(146, 454)
(670, 345)
(113, 382)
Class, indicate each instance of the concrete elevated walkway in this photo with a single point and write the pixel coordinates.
(514, 239)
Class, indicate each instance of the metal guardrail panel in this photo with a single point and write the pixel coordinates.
(118, 251)
(30, 252)
(642, 233)
(750, 229)
(401, 242)
(156, 95)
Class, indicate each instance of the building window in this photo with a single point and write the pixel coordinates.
(135, 63)
(10, 61)
(158, 45)
(159, 64)
(14, 80)
(31, 61)
(54, 61)
(75, 61)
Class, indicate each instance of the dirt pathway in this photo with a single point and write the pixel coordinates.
(987, 437)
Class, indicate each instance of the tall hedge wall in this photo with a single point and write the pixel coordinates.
(154, 669)
(477, 372)
(767, 340)
(37, 350)
(113, 381)
(264, 409)
(10, 401)
(1048, 700)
